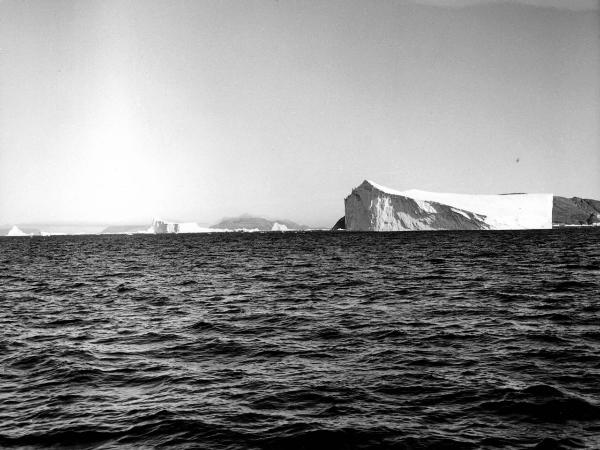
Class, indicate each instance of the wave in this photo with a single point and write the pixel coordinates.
(444, 340)
(543, 403)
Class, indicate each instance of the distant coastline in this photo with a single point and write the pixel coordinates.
(244, 223)
(372, 207)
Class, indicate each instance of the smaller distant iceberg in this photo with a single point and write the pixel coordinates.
(54, 233)
(244, 223)
(162, 227)
(159, 226)
(279, 227)
(16, 231)
(25, 230)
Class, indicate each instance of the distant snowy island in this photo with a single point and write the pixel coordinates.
(247, 222)
(158, 226)
(244, 223)
(372, 207)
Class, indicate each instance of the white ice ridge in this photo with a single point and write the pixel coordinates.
(193, 227)
(501, 211)
(161, 226)
(279, 227)
(16, 231)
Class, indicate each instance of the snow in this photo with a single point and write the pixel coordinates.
(461, 212)
(182, 227)
(193, 227)
(501, 211)
(425, 206)
(15, 231)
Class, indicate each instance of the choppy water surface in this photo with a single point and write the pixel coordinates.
(302, 340)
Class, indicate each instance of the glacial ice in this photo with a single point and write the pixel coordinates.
(373, 207)
(279, 227)
(160, 226)
(16, 231)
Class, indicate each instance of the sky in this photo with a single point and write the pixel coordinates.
(121, 111)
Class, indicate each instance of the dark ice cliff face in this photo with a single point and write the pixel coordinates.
(575, 211)
(301, 340)
(340, 224)
(368, 208)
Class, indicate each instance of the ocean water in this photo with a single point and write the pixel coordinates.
(302, 340)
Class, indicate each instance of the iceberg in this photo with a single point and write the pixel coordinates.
(161, 227)
(193, 227)
(279, 227)
(372, 207)
(16, 231)
(575, 211)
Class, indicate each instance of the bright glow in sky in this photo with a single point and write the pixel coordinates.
(119, 111)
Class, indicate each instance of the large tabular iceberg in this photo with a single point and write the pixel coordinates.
(371, 207)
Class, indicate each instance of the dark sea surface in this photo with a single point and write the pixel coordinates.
(302, 340)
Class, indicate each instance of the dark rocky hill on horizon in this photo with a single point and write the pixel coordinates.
(248, 222)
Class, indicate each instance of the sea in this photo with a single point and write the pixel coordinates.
(302, 340)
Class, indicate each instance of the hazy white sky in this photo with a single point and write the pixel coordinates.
(118, 111)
